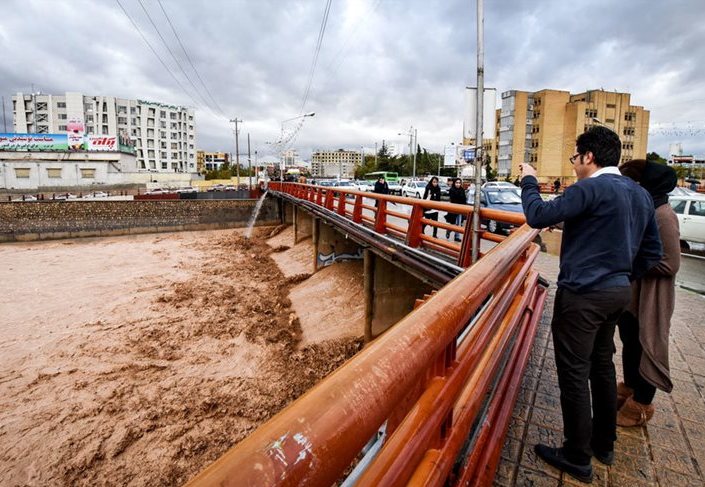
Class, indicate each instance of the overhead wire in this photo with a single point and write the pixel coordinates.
(338, 58)
(188, 58)
(139, 31)
(193, 85)
(317, 51)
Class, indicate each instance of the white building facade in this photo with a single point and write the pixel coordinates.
(340, 163)
(164, 135)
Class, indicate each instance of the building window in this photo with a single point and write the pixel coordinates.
(42, 129)
(87, 173)
(22, 172)
(61, 104)
(174, 155)
(172, 116)
(54, 172)
(611, 105)
(628, 131)
(609, 120)
(88, 130)
(590, 113)
(164, 165)
(630, 116)
(152, 165)
(122, 120)
(62, 116)
(132, 110)
(122, 109)
(62, 127)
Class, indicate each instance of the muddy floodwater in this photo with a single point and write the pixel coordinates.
(138, 360)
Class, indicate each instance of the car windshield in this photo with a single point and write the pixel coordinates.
(421, 184)
(503, 198)
(677, 191)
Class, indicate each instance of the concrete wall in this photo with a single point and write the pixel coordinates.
(68, 219)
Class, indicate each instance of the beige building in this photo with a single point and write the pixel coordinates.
(208, 161)
(541, 128)
(340, 163)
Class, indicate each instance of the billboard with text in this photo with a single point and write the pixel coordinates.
(36, 142)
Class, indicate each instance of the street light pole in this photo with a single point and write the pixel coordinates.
(281, 140)
(416, 149)
(478, 132)
(249, 164)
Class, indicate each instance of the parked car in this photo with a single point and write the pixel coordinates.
(156, 191)
(187, 189)
(496, 199)
(97, 194)
(691, 217)
(26, 197)
(444, 190)
(216, 187)
(394, 187)
(413, 189)
(364, 186)
(229, 187)
(678, 191)
(501, 185)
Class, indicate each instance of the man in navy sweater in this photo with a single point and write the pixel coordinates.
(610, 237)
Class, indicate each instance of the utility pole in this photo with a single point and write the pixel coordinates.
(376, 151)
(478, 132)
(237, 149)
(249, 164)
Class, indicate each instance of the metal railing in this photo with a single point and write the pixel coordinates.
(409, 225)
(441, 383)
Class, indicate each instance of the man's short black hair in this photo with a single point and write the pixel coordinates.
(603, 143)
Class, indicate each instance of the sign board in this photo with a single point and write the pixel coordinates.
(449, 156)
(469, 154)
(102, 143)
(35, 142)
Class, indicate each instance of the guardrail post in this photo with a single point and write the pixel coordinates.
(357, 210)
(341, 203)
(319, 196)
(329, 199)
(413, 233)
(381, 217)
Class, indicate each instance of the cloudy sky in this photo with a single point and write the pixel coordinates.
(384, 65)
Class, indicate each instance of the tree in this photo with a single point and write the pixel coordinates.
(654, 157)
(490, 173)
(383, 158)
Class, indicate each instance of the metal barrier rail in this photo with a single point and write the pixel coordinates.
(350, 204)
(425, 381)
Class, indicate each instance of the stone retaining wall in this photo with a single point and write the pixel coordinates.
(42, 220)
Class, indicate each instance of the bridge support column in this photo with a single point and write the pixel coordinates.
(390, 294)
(331, 246)
(287, 213)
(303, 225)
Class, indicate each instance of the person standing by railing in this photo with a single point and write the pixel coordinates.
(644, 327)
(610, 237)
(381, 187)
(456, 193)
(432, 192)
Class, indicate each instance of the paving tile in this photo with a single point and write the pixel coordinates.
(629, 445)
(638, 467)
(637, 432)
(532, 478)
(669, 478)
(516, 429)
(667, 438)
(679, 461)
(620, 480)
(534, 435)
(511, 450)
(506, 472)
(521, 410)
(546, 401)
(599, 477)
(547, 418)
(695, 431)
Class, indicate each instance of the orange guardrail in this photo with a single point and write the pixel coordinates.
(351, 204)
(423, 382)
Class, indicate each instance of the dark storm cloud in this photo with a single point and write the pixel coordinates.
(384, 65)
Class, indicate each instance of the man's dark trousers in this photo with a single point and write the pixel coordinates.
(583, 339)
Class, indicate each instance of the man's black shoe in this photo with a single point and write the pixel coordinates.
(555, 457)
(606, 458)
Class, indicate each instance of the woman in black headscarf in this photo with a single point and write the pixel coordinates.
(432, 192)
(456, 193)
(644, 327)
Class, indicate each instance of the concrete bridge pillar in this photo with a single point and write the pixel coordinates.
(390, 294)
(331, 246)
(303, 225)
(287, 212)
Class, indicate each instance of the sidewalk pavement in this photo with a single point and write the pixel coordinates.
(668, 452)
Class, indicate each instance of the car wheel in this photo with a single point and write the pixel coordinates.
(492, 226)
(685, 245)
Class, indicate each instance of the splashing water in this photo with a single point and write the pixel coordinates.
(255, 213)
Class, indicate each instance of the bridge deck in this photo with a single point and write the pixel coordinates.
(670, 451)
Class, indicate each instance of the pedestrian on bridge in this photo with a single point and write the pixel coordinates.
(456, 193)
(644, 327)
(381, 187)
(610, 238)
(432, 192)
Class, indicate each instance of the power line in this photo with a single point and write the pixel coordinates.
(173, 29)
(139, 31)
(319, 43)
(338, 58)
(198, 92)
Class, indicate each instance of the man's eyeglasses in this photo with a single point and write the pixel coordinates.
(574, 157)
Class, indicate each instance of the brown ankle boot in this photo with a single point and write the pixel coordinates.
(634, 413)
(623, 393)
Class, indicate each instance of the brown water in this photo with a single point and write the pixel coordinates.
(139, 360)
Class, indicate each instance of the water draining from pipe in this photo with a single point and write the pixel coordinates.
(255, 213)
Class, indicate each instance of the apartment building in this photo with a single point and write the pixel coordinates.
(541, 127)
(340, 163)
(164, 135)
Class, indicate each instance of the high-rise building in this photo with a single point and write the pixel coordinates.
(164, 135)
(209, 161)
(541, 128)
(335, 163)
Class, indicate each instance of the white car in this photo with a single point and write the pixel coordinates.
(344, 184)
(691, 216)
(501, 185)
(413, 189)
(394, 187)
(365, 186)
(187, 189)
